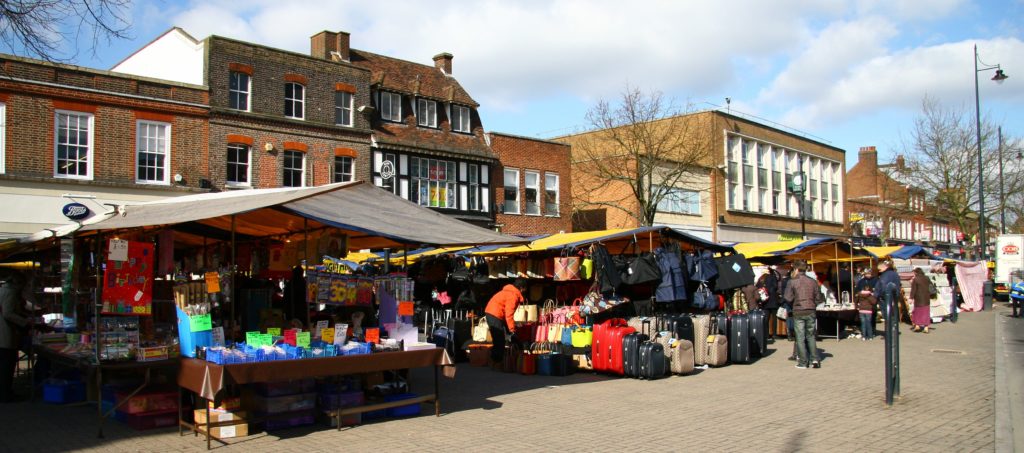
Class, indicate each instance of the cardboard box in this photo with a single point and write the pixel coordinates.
(223, 432)
(227, 404)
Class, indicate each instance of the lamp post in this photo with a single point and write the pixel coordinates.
(999, 77)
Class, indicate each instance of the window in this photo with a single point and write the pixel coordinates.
(73, 145)
(473, 179)
(511, 191)
(679, 201)
(460, 118)
(238, 165)
(532, 186)
(433, 183)
(343, 171)
(294, 100)
(343, 108)
(152, 152)
(390, 106)
(3, 135)
(426, 113)
(238, 91)
(551, 194)
(294, 168)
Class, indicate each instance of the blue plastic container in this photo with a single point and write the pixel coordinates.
(63, 392)
(188, 341)
(403, 411)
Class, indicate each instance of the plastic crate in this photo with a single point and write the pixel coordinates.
(188, 340)
(148, 402)
(282, 388)
(63, 392)
(403, 411)
(281, 404)
(301, 418)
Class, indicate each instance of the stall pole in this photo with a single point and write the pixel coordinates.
(387, 261)
(305, 261)
(437, 392)
(97, 298)
(234, 260)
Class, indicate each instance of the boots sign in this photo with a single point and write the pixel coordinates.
(75, 211)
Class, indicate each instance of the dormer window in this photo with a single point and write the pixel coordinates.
(460, 118)
(390, 106)
(426, 113)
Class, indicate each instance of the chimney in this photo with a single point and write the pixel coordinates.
(330, 46)
(901, 163)
(868, 155)
(443, 61)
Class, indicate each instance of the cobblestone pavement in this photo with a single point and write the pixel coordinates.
(947, 404)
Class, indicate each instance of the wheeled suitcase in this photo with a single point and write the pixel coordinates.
(681, 357)
(651, 358)
(616, 335)
(758, 332)
(717, 347)
(680, 327)
(701, 330)
(600, 353)
(739, 338)
(722, 322)
(631, 353)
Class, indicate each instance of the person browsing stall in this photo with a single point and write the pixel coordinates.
(803, 292)
(14, 323)
(920, 293)
(500, 313)
(888, 281)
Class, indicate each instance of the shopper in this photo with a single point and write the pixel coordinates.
(921, 317)
(951, 278)
(500, 313)
(888, 278)
(13, 326)
(804, 294)
(866, 303)
(866, 284)
(771, 283)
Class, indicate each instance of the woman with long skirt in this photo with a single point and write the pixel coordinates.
(921, 317)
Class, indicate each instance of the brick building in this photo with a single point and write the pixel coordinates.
(882, 206)
(738, 193)
(534, 197)
(72, 134)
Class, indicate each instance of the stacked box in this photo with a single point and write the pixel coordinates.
(341, 400)
(150, 420)
(148, 402)
(223, 432)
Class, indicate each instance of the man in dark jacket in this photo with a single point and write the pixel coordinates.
(804, 293)
(888, 280)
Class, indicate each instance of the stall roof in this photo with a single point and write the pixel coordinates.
(822, 249)
(755, 250)
(370, 216)
(882, 252)
(908, 251)
(617, 240)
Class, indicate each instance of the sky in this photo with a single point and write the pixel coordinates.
(846, 73)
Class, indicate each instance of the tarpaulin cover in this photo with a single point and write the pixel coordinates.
(372, 217)
(971, 278)
(616, 240)
(882, 252)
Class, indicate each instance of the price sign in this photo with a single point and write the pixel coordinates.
(118, 250)
(212, 282)
(266, 339)
(218, 336)
(320, 325)
(327, 335)
(372, 335)
(406, 309)
(340, 334)
(302, 339)
(200, 323)
(252, 338)
(275, 331)
(289, 336)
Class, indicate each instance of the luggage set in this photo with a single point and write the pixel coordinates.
(627, 348)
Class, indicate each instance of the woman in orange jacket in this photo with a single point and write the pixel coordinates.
(499, 313)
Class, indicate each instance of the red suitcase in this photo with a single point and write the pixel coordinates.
(615, 362)
(599, 352)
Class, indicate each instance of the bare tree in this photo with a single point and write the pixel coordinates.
(942, 155)
(639, 151)
(54, 30)
(889, 201)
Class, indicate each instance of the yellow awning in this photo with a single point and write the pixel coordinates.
(882, 252)
(753, 250)
(554, 241)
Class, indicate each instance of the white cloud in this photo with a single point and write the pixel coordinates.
(910, 10)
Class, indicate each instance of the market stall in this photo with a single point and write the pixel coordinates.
(180, 260)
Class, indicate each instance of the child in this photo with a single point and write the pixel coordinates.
(865, 307)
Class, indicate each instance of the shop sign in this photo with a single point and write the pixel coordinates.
(1011, 249)
(75, 211)
(959, 235)
(790, 237)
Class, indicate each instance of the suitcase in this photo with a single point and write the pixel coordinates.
(717, 347)
(758, 333)
(680, 327)
(701, 330)
(631, 353)
(651, 360)
(615, 362)
(599, 356)
(681, 357)
(739, 338)
(666, 341)
(722, 322)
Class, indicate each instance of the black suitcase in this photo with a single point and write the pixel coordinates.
(680, 327)
(631, 353)
(722, 321)
(758, 332)
(739, 338)
(652, 360)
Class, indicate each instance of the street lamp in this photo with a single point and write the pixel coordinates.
(999, 77)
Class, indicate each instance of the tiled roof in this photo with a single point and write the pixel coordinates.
(424, 139)
(411, 78)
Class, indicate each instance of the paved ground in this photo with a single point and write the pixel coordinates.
(947, 405)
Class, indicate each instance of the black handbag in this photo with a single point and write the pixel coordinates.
(734, 271)
(641, 269)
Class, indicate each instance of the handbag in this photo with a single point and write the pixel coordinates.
(703, 299)
(583, 361)
(782, 313)
(481, 332)
(555, 332)
(576, 315)
(567, 335)
(642, 269)
(444, 298)
(582, 337)
(567, 268)
(525, 313)
(587, 269)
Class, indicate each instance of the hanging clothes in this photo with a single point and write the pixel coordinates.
(673, 279)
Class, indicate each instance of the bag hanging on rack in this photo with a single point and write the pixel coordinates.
(582, 337)
(481, 332)
(567, 268)
(576, 315)
(567, 333)
(642, 269)
(525, 313)
(587, 268)
(703, 299)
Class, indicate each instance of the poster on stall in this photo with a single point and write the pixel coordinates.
(128, 279)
